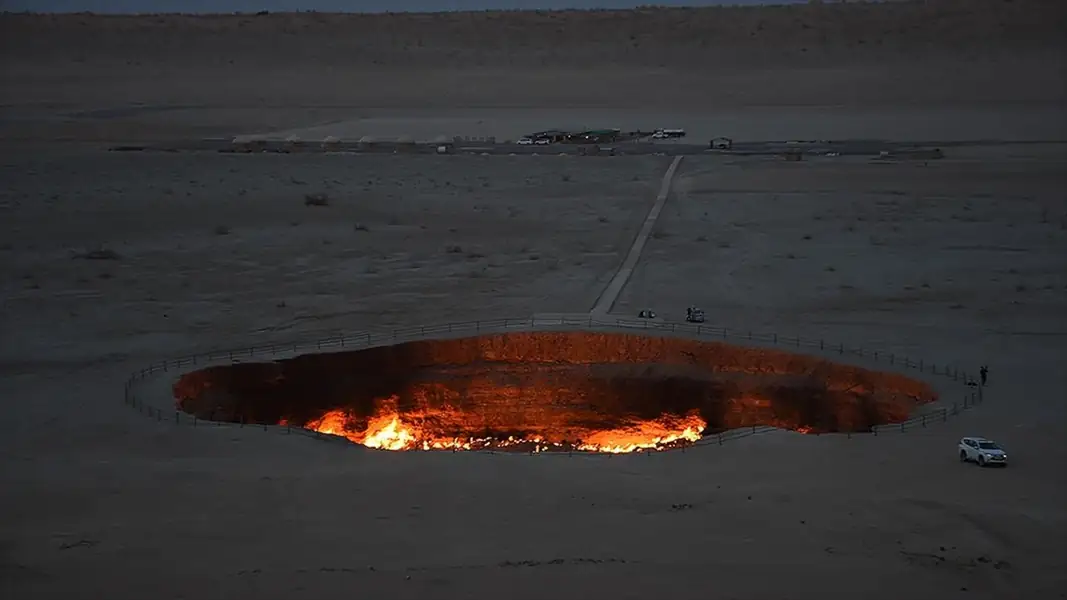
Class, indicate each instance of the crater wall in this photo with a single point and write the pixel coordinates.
(562, 386)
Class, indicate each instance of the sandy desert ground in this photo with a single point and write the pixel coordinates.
(960, 260)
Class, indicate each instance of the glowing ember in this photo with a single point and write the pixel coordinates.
(389, 430)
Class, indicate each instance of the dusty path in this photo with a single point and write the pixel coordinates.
(614, 288)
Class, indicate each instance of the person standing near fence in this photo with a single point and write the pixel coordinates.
(983, 372)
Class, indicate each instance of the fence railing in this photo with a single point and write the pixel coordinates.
(355, 341)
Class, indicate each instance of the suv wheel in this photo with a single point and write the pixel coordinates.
(963, 456)
(981, 460)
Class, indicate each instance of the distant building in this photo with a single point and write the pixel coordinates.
(721, 143)
(596, 136)
(552, 135)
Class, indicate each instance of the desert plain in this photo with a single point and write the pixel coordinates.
(961, 260)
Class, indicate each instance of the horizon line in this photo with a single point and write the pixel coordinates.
(392, 10)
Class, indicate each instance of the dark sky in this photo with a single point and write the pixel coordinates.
(134, 6)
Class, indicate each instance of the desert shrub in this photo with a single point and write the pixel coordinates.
(318, 199)
(101, 253)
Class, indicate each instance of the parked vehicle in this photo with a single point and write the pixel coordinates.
(983, 452)
(646, 314)
(694, 315)
(662, 134)
(542, 141)
(525, 141)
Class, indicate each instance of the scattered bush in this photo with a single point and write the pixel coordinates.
(101, 253)
(319, 199)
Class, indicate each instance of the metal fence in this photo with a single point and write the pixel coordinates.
(970, 396)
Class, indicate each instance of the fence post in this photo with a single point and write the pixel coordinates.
(841, 348)
(194, 420)
(724, 333)
(821, 345)
(924, 420)
(920, 365)
(875, 355)
(901, 428)
(776, 338)
(892, 358)
(750, 334)
(798, 341)
(176, 416)
(720, 439)
(944, 415)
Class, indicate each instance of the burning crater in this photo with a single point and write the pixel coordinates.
(545, 391)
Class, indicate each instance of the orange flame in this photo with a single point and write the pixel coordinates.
(389, 431)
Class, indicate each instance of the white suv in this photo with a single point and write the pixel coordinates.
(982, 452)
